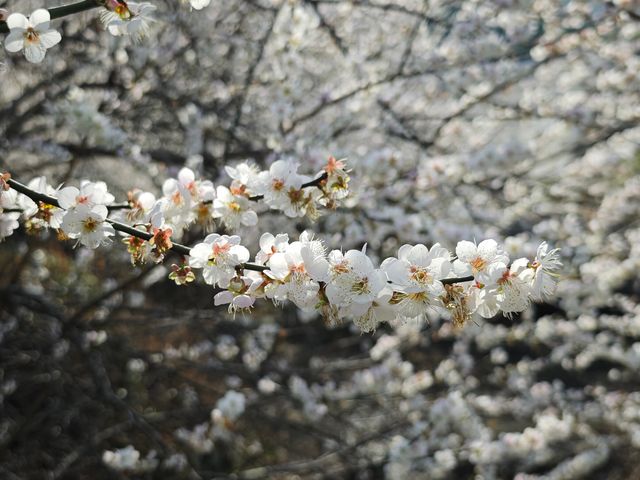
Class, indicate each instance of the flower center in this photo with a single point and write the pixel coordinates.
(478, 264)
(419, 275)
(342, 267)
(122, 11)
(278, 184)
(90, 225)
(297, 268)
(219, 249)
(31, 35)
(506, 278)
(361, 287)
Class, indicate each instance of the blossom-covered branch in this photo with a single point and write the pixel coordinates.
(63, 11)
(337, 285)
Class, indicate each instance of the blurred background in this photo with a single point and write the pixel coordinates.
(506, 119)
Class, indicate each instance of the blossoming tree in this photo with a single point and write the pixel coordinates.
(420, 141)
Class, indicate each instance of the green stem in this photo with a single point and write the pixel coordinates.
(63, 11)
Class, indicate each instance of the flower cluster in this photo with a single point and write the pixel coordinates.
(341, 285)
(336, 285)
(81, 213)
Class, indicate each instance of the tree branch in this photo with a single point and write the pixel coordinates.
(176, 247)
(63, 11)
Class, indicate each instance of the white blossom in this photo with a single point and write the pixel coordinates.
(32, 35)
(218, 256)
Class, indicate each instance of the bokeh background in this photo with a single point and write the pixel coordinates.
(506, 119)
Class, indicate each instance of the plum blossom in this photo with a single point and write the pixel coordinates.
(218, 256)
(298, 270)
(545, 267)
(32, 35)
(281, 187)
(379, 311)
(140, 203)
(128, 18)
(514, 287)
(237, 295)
(485, 261)
(40, 215)
(354, 282)
(89, 194)
(269, 245)
(245, 177)
(233, 210)
(88, 224)
(416, 275)
(336, 185)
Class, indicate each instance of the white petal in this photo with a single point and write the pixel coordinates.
(403, 251)
(35, 52)
(377, 281)
(224, 194)
(278, 265)
(317, 267)
(519, 265)
(461, 269)
(14, 41)
(100, 211)
(419, 255)
(488, 249)
(249, 218)
(17, 20)
(267, 240)
(211, 238)
(440, 267)
(67, 196)
(396, 270)
(222, 298)
(186, 176)
(243, 301)
(50, 38)
(337, 295)
(199, 5)
(360, 263)
(40, 17)
(466, 251)
(240, 253)
(146, 200)
(199, 255)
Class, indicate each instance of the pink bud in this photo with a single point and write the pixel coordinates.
(3, 15)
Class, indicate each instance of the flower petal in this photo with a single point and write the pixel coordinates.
(67, 197)
(17, 20)
(35, 52)
(14, 41)
(39, 18)
(466, 251)
(50, 38)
